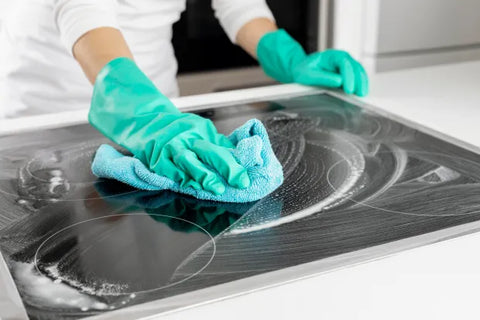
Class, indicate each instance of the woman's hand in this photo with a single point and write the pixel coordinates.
(332, 68)
(284, 59)
(127, 108)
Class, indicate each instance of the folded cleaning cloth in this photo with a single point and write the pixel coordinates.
(253, 151)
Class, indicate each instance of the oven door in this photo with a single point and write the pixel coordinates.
(209, 62)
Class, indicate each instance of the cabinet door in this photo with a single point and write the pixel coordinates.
(412, 25)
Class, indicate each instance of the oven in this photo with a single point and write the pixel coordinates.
(209, 62)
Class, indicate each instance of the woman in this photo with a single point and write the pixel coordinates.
(123, 47)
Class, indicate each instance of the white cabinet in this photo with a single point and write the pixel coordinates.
(396, 34)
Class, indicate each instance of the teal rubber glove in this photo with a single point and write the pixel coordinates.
(284, 59)
(128, 109)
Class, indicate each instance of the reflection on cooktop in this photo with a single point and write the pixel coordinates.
(82, 254)
(77, 245)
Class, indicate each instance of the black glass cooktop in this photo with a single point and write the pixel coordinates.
(78, 246)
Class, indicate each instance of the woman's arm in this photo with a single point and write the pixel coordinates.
(97, 47)
(90, 31)
(250, 34)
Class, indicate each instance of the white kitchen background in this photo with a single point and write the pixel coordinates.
(396, 34)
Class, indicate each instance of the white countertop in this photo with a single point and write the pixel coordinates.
(436, 281)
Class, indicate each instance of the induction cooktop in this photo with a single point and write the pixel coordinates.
(358, 185)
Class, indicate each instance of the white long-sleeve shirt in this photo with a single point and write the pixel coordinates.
(39, 72)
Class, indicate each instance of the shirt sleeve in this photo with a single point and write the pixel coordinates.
(234, 14)
(74, 18)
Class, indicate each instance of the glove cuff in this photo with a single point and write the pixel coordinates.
(124, 100)
(121, 80)
(278, 53)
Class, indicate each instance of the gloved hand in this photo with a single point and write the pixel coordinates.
(127, 108)
(284, 59)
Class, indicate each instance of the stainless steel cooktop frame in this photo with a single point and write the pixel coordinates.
(11, 306)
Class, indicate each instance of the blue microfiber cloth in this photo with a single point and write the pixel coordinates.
(253, 151)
